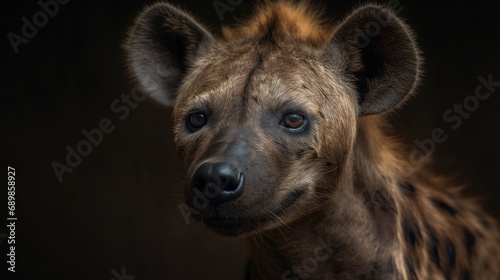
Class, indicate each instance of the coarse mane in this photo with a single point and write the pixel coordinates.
(283, 21)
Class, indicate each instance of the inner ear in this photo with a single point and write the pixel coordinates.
(380, 52)
(372, 66)
(160, 48)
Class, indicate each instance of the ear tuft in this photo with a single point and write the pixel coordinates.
(382, 57)
(161, 45)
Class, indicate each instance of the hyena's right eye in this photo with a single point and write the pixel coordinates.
(196, 120)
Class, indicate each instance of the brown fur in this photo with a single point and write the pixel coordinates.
(299, 22)
(343, 180)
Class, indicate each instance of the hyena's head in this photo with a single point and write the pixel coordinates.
(266, 114)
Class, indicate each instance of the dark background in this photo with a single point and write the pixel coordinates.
(119, 207)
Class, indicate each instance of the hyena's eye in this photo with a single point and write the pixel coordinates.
(196, 120)
(293, 121)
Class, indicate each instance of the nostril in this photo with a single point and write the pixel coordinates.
(228, 178)
(220, 182)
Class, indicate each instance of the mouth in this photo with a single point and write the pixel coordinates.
(237, 225)
(230, 226)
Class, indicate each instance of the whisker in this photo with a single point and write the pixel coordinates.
(278, 218)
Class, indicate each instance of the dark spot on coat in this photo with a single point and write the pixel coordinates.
(470, 241)
(407, 188)
(411, 269)
(434, 247)
(450, 253)
(444, 206)
(412, 232)
(385, 201)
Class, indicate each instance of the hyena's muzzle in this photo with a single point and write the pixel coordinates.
(233, 187)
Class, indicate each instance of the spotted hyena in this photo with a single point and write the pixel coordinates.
(280, 123)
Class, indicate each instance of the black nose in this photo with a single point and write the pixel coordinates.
(219, 182)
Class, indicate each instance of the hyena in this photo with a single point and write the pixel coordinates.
(280, 122)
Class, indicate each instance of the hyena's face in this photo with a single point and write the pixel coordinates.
(253, 125)
(265, 118)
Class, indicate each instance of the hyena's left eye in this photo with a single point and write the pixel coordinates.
(196, 120)
(293, 121)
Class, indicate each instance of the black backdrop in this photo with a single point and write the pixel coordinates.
(118, 209)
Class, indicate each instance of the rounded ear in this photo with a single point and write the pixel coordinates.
(379, 51)
(160, 48)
